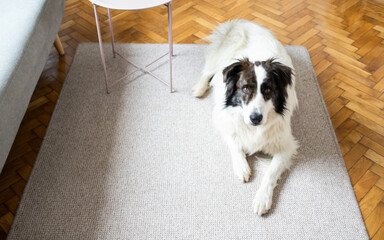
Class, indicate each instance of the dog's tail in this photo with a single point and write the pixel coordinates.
(230, 36)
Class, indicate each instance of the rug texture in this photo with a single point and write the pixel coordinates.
(141, 163)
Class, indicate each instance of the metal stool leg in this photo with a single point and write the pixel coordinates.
(170, 42)
(111, 30)
(101, 48)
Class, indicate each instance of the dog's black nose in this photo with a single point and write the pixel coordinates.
(256, 118)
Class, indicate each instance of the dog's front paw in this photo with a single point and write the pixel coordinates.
(242, 170)
(199, 89)
(262, 202)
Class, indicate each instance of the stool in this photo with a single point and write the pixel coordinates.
(133, 5)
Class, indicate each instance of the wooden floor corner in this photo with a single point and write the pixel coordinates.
(345, 40)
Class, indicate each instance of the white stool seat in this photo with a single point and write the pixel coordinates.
(129, 4)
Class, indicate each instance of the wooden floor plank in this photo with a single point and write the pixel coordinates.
(359, 169)
(377, 169)
(374, 196)
(375, 220)
(380, 184)
(374, 156)
(363, 186)
(379, 234)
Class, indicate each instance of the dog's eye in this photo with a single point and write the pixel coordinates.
(267, 91)
(245, 90)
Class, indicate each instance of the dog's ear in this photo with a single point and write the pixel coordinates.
(279, 72)
(232, 72)
(281, 76)
(231, 75)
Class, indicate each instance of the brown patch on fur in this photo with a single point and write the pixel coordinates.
(237, 76)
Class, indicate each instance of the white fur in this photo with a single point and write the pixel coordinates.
(232, 41)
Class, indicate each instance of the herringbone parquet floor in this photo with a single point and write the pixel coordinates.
(345, 39)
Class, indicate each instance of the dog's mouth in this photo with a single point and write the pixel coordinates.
(254, 124)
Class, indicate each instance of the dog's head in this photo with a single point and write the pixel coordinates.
(257, 88)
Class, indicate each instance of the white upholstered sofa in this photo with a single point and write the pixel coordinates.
(28, 29)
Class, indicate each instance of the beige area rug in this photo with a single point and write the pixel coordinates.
(141, 163)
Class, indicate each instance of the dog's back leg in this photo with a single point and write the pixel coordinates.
(202, 85)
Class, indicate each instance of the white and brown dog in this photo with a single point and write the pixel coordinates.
(254, 86)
